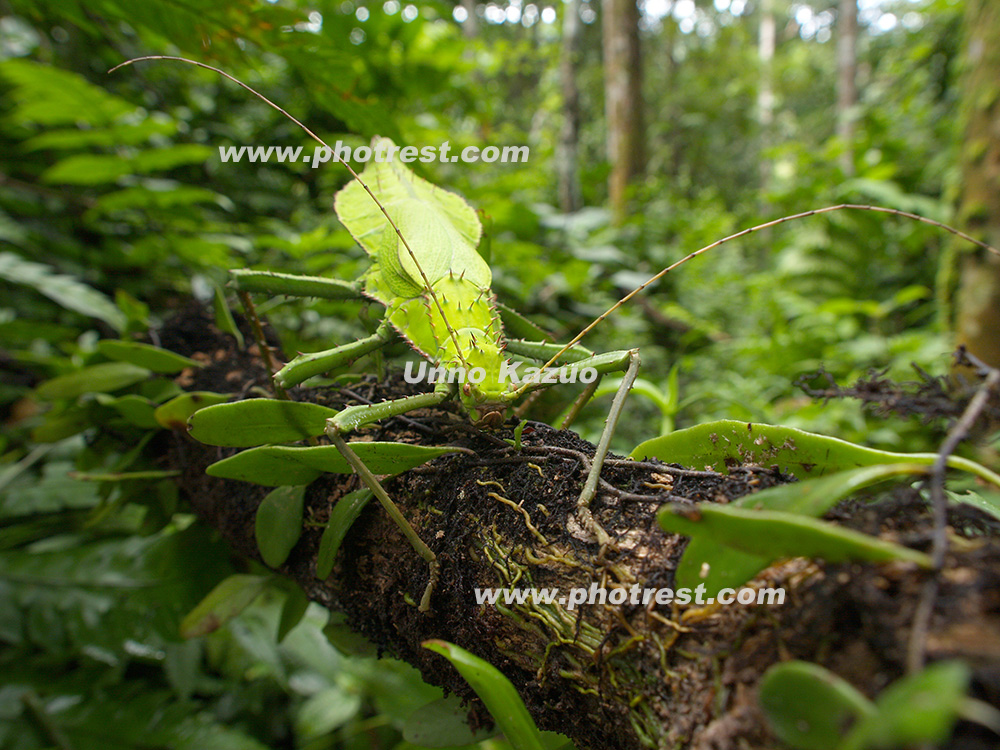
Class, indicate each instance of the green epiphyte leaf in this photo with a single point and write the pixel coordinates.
(987, 502)
(159, 390)
(292, 611)
(919, 709)
(278, 523)
(223, 603)
(145, 355)
(717, 445)
(258, 421)
(718, 565)
(279, 465)
(133, 408)
(443, 723)
(343, 515)
(174, 413)
(107, 377)
(496, 691)
(224, 320)
(809, 707)
(775, 535)
(814, 497)
(345, 640)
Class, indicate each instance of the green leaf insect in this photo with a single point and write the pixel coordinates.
(436, 291)
(435, 287)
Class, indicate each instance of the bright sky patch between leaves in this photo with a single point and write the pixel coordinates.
(812, 24)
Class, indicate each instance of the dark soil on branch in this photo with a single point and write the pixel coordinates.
(608, 676)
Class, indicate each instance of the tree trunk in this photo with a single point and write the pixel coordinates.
(569, 137)
(611, 677)
(623, 100)
(470, 26)
(765, 93)
(978, 314)
(847, 95)
(671, 112)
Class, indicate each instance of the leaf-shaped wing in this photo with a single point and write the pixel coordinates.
(440, 227)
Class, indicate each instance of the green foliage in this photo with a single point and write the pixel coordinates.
(988, 502)
(809, 707)
(283, 465)
(779, 535)
(344, 513)
(223, 603)
(718, 445)
(443, 723)
(224, 320)
(812, 709)
(258, 421)
(730, 545)
(719, 562)
(176, 412)
(500, 697)
(112, 193)
(153, 358)
(103, 378)
(278, 523)
(918, 708)
(63, 289)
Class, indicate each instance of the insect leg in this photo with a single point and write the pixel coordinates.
(580, 402)
(628, 361)
(541, 351)
(270, 282)
(356, 416)
(306, 365)
(316, 363)
(590, 487)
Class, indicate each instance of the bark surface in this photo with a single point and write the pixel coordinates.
(978, 314)
(623, 107)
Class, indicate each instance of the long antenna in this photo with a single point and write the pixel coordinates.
(774, 222)
(354, 174)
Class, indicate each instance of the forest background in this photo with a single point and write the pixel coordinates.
(653, 130)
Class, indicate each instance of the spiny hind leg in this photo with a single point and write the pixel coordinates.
(305, 366)
(593, 477)
(247, 282)
(355, 416)
(623, 360)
